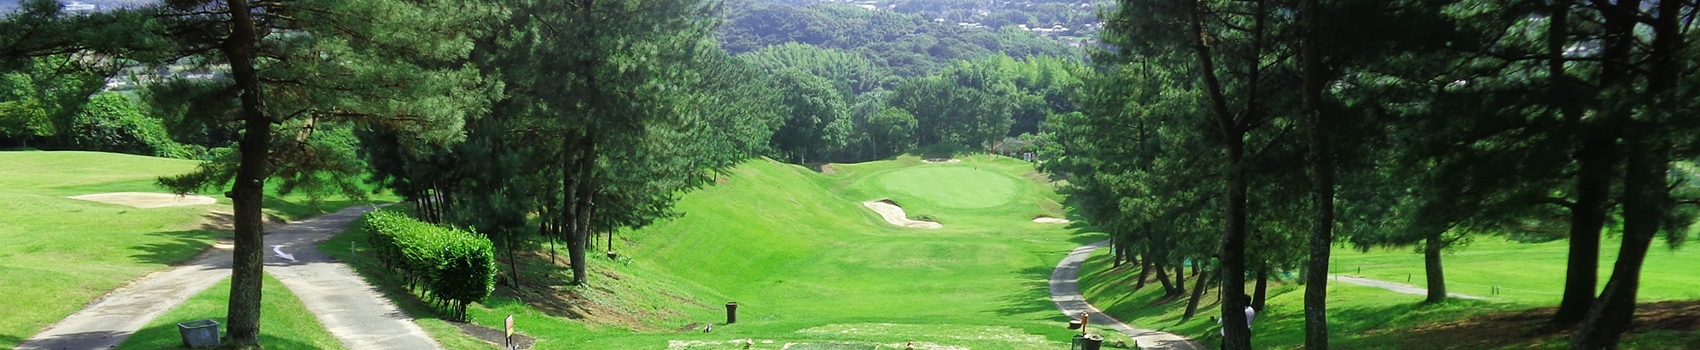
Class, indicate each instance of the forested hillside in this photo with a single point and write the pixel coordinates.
(901, 44)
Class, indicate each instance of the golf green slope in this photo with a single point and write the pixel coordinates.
(808, 264)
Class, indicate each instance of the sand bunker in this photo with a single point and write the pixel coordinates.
(894, 215)
(1050, 220)
(146, 199)
(942, 160)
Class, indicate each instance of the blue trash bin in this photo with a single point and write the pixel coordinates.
(199, 334)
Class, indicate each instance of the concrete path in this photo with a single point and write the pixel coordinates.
(1396, 287)
(1065, 292)
(106, 322)
(352, 310)
(349, 307)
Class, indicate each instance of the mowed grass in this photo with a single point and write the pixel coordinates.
(810, 266)
(57, 253)
(285, 324)
(1530, 275)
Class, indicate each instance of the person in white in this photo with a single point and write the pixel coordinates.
(1249, 314)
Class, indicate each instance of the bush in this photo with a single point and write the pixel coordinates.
(453, 265)
(111, 123)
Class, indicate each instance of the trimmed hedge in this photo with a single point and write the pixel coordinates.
(453, 265)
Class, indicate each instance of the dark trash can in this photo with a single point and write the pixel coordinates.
(1075, 343)
(732, 312)
(1092, 342)
(199, 334)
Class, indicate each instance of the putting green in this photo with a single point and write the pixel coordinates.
(950, 186)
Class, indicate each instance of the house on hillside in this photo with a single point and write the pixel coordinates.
(1014, 148)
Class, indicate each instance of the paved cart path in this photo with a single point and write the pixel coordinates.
(1065, 292)
(1396, 287)
(351, 309)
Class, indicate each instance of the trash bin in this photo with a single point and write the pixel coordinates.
(199, 334)
(1078, 340)
(1092, 342)
(732, 312)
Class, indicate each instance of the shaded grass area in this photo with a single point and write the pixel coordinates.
(285, 322)
(1359, 317)
(57, 254)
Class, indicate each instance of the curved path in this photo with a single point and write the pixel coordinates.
(1396, 287)
(352, 310)
(1065, 292)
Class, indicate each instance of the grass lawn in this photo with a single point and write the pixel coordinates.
(56, 253)
(1365, 317)
(809, 265)
(1531, 274)
(285, 322)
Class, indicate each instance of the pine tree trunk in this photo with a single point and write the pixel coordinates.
(1233, 249)
(1144, 270)
(1646, 195)
(1314, 274)
(576, 244)
(1116, 252)
(247, 271)
(1197, 293)
(1595, 160)
(513, 263)
(1262, 290)
(1168, 288)
(1593, 187)
(1431, 262)
(1180, 277)
(1643, 211)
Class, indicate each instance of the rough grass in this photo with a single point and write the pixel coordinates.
(285, 322)
(56, 253)
(1529, 274)
(1366, 317)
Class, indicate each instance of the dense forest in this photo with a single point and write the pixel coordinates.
(1241, 138)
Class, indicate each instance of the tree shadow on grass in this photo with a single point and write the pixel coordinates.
(1084, 234)
(7, 341)
(1034, 296)
(1657, 325)
(178, 247)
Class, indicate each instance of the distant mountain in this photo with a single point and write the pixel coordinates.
(907, 45)
(97, 5)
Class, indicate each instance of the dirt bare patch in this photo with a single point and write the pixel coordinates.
(1050, 220)
(1503, 329)
(893, 214)
(146, 200)
(942, 160)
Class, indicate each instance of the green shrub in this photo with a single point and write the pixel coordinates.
(453, 265)
(111, 123)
